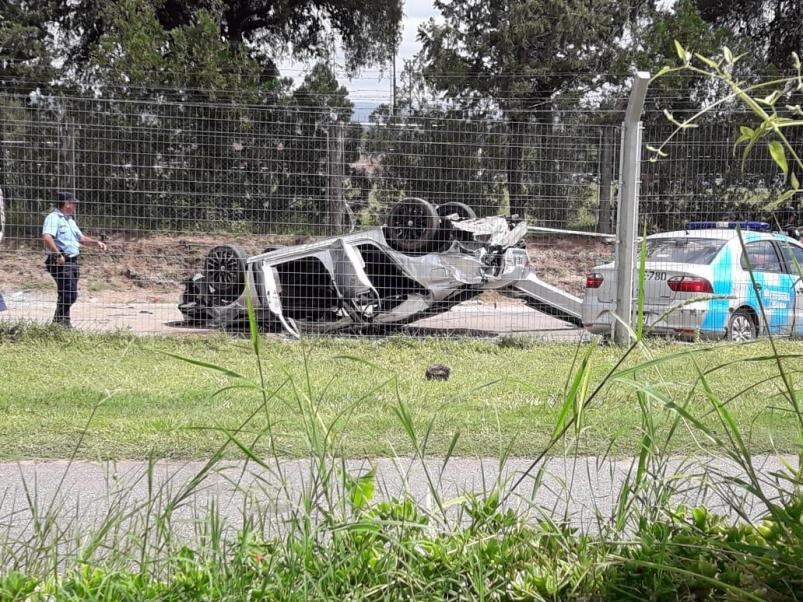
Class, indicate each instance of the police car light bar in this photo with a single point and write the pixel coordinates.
(758, 226)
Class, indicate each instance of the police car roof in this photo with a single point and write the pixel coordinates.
(720, 234)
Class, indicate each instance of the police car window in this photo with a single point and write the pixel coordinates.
(792, 252)
(763, 257)
(684, 250)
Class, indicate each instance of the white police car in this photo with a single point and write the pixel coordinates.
(707, 260)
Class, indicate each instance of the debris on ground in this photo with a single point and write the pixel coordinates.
(438, 372)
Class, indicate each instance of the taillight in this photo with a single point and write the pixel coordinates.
(689, 284)
(594, 280)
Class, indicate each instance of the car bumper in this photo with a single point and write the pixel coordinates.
(684, 322)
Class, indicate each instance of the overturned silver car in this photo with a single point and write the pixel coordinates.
(425, 260)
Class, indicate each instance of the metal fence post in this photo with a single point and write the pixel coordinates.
(627, 214)
(335, 186)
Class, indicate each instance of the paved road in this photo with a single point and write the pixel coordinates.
(579, 489)
(94, 314)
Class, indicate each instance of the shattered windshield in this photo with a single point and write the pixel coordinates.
(683, 250)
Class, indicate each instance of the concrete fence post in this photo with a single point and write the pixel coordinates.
(627, 214)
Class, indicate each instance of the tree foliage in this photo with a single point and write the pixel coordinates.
(264, 29)
(488, 110)
(439, 155)
(317, 142)
(768, 30)
(767, 186)
(136, 53)
(658, 29)
(519, 54)
(25, 46)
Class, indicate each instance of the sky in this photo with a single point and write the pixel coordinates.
(373, 86)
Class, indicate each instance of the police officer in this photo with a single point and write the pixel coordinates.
(62, 239)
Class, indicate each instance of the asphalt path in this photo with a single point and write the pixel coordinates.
(80, 496)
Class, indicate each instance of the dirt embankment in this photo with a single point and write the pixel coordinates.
(152, 268)
(565, 261)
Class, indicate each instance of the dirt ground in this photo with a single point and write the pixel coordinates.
(151, 269)
(565, 261)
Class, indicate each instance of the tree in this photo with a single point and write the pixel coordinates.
(655, 31)
(318, 140)
(136, 54)
(520, 54)
(773, 28)
(25, 46)
(437, 154)
(25, 67)
(132, 50)
(265, 29)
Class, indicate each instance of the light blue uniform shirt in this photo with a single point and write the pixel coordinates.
(64, 231)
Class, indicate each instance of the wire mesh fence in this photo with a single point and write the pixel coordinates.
(310, 212)
(163, 182)
(704, 177)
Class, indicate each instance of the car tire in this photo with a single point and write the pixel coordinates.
(461, 209)
(224, 269)
(742, 327)
(447, 232)
(412, 225)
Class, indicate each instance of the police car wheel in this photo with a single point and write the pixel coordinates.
(741, 327)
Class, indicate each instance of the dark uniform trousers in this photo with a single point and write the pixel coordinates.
(66, 277)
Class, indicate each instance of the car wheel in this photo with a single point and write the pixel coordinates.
(412, 225)
(462, 210)
(225, 273)
(742, 327)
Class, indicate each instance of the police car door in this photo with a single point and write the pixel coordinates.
(792, 253)
(773, 285)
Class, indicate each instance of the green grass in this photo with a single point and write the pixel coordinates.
(506, 393)
(336, 541)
